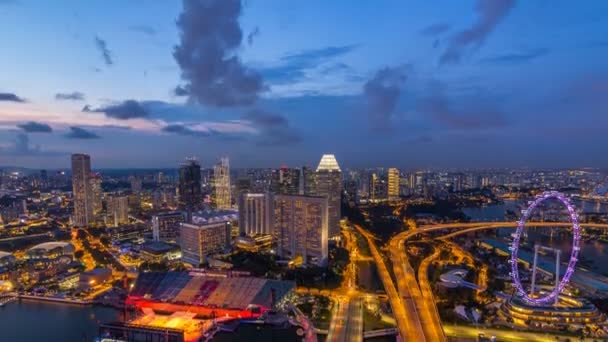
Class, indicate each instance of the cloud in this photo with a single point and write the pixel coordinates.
(35, 127)
(75, 96)
(128, 109)
(80, 133)
(435, 29)
(252, 35)
(474, 115)
(145, 29)
(184, 130)
(382, 94)
(293, 67)
(180, 91)
(490, 13)
(212, 71)
(517, 57)
(21, 147)
(106, 54)
(10, 97)
(274, 129)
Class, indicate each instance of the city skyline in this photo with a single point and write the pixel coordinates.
(442, 88)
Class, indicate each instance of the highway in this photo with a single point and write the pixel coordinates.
(338, 325)
(408, 322)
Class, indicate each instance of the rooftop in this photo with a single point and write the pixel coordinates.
(328, 163)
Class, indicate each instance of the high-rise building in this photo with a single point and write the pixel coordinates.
(373, 186)
(300, 228)
(328, 183)
(255, 213)
(285, 181)
(199, 240)
(81, 188)
(307, 181)
(221, 184)
(393, 184)
(118, 209)
(190, 195)
(166, 226)
(97, 194)
(136, 184)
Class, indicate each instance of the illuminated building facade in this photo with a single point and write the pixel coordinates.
(255, 213)
(190, 184)
(221, 184)
(118, 209)
(328, 183)
(97, 194)
(301, 228)
(166, 226)
(285, 181)
(393, 184)
(199, 240)
(81, 188)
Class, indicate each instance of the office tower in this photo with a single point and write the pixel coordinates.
(81, 188)
(136, 184)
(243, 184)
(200, 240)
(44, 178)
(166, 226)
(160, 178)
(300, 228)
(97, 194)
(221, 184)
(307, 181)
(118, 209)
(255, 213)
(328, 183)
(393, 184)
(285, 181)
(190, 184)
(373, 187)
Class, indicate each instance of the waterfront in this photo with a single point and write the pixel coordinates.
(52, 322)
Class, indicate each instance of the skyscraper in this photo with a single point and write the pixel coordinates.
(285, 181)
(328, 183)
(301, 228)
(97, 193)
(166, 226)
(81, 188)
(136, 184)
(190, 184)
(221, 184)
(393, 184)
(198, 241)
(307, 181)
(255, 213)
(118, 209)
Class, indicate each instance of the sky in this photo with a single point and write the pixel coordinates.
(409, 84)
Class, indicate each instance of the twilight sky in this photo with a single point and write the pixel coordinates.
(412, 84)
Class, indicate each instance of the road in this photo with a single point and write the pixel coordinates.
(408, 322)
(337, 327)
(504, 335)
(354, 326)
(422, 306)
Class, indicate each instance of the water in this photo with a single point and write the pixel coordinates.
(28, 321)
(594, 251)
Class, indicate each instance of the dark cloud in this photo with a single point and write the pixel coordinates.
(147, 30)
(180, 91)
(252, 35)
(274, 129)
(80, 133)
(10, 97)
(473, 115)
(129, 109)
(106, 54)
(21, 147)
(180, 129)
(435, 29)
(35, 127)
(209, 38)
(518, 57)
(382, 94)
(490, 13)
(74, 96)
(293, 67)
